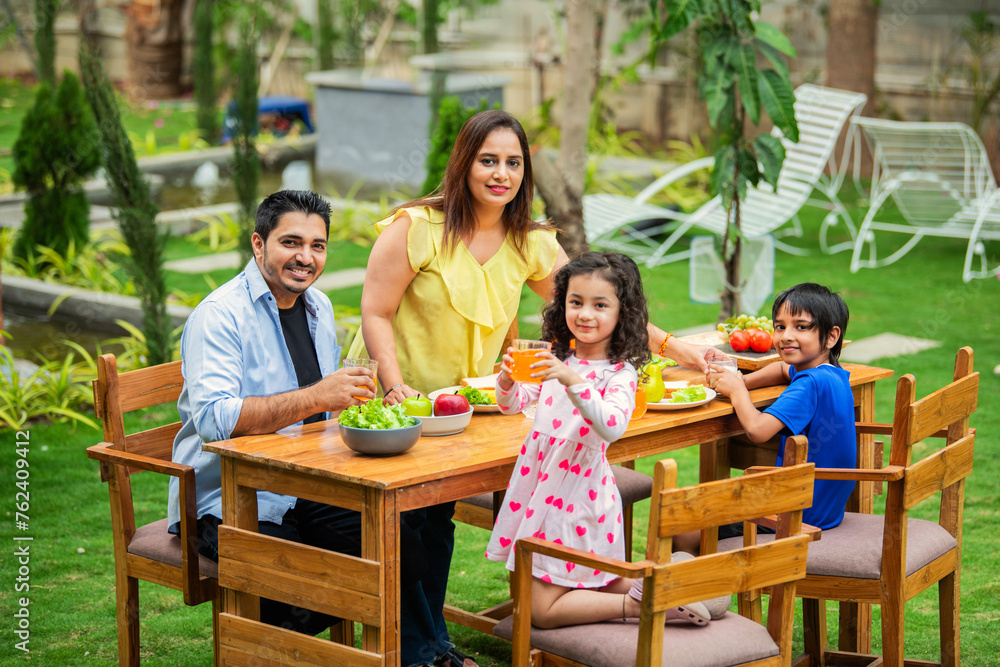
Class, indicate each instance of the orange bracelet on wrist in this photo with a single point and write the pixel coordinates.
(663, 345)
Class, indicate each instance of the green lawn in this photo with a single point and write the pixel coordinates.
(72, 593)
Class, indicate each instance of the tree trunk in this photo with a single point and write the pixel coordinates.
(561, 183)
(154, 48)
(850, 57)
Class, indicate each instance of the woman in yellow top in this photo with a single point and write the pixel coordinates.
(443, 285)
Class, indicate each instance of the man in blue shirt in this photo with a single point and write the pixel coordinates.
(259, 354)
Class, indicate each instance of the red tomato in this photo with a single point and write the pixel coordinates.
(739, 340)
(760, 341)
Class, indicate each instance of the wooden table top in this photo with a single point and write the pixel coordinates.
(492, 441)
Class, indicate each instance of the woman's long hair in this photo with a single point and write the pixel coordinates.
(453, 196)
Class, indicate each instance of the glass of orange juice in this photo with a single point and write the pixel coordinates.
(370, 364)
(640, 400)
(524, 355)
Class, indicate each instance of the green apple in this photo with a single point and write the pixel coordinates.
(418, 406)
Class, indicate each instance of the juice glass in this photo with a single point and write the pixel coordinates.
(640, 400)
(524, 355)
(370, 364)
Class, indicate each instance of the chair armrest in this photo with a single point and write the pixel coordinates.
(872, 428)
(105, 451)
(886, 474)
(771, 521)
(671, 176)
(634, 570)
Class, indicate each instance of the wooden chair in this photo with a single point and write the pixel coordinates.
(147, 552)
(731, 640)
(889, 559)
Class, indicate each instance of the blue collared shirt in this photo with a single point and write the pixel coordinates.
(232, 347)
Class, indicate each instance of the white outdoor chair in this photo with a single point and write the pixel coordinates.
(939, 177)
(822, 113)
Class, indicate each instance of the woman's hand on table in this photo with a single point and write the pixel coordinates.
(399, 393)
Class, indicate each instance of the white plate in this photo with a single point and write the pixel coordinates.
(664, 405)
(451, 390)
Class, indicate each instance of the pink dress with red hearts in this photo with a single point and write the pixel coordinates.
(563, 488)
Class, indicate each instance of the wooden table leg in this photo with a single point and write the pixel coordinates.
(855, 617)
(380, 542)
(239, 509)
(713, 465)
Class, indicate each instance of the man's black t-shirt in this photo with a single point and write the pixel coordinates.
(300, 344)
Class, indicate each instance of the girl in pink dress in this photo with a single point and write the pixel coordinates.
(563, 488)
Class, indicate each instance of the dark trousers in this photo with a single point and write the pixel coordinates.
(423, 633)
(326, 527)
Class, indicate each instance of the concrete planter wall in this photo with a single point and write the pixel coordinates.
(376, 130)
(90, 310)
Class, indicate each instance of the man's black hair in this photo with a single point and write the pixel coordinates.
(287, 201)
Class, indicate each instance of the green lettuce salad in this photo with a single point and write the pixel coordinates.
(475, 397)
(688, 394)
(375, 414)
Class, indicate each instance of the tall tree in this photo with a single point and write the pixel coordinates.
(560, 181)
(154, 34)
(850, 55)
(204, 70)
(45, 39)
(134, 209)
(731, 43)
(246, 162)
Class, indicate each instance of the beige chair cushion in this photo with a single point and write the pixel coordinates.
(154, 542)
(731, 640)
(854, 548)
(633, 485)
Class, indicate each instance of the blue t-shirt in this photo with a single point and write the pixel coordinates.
(819, 404)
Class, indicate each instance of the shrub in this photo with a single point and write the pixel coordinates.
(56, 150)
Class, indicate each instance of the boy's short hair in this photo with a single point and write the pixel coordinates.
(827, 309)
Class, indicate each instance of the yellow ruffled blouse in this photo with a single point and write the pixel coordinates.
(453, 317)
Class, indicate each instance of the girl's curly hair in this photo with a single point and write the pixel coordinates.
(630, 340)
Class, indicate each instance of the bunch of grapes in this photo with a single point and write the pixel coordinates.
(743, 322)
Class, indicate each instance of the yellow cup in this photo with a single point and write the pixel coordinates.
(370, 364)
(524, 355)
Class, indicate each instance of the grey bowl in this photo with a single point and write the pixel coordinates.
(381, 442)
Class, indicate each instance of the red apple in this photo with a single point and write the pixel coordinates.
(450, 404)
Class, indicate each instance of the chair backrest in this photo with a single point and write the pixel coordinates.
(933, 170)
(941, 414)
(785, 491)
(116, 394)
(821, 114)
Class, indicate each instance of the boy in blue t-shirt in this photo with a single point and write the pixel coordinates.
(809, 326)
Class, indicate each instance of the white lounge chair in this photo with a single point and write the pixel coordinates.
(939, 177)
(822, 113)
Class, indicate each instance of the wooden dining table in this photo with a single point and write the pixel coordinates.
(312, 462)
